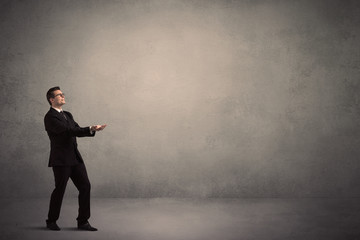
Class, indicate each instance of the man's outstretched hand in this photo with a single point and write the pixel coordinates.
(97, 128)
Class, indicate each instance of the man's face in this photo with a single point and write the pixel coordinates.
(58, 100)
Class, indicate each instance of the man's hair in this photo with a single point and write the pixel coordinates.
(50, 93)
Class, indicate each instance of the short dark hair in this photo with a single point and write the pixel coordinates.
(50, 93)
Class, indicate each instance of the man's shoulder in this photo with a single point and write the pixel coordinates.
(50, 112)
(53, 113)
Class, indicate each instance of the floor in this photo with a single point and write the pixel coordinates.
(188, 219)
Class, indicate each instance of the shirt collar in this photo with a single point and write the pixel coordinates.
(57, 109)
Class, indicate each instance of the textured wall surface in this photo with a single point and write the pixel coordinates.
(202, 98)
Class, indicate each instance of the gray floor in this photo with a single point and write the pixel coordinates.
(172, 219)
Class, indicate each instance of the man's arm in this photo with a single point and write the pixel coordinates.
(54, 125)
(92, 129)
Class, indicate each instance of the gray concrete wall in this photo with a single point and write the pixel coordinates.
(202, 98)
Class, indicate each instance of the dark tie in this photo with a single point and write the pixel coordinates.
(63, 114)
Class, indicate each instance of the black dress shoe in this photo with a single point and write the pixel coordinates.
(52, 226)
(86, 227)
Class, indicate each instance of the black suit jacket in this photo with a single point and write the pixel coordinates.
(62, 134)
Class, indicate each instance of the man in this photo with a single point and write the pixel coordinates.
(65, 159)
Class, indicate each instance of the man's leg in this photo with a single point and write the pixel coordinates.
(80, 178)
(61, 175)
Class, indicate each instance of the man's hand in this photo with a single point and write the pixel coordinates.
(97, 128)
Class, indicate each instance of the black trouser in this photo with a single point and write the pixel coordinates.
(80, 179)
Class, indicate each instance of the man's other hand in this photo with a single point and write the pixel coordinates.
(97, 128)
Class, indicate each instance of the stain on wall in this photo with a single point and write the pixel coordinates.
(201, 98)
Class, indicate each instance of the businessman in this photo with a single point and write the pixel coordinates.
(65, 159)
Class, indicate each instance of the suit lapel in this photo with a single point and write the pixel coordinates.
(58, 115)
